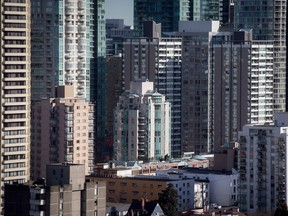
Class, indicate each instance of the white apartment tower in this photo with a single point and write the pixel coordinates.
(142, 124)
(15, 91)
(262, 166)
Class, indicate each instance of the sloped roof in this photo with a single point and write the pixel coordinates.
(149, 208)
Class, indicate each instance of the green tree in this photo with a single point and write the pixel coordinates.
(168, 200)
(281, 210)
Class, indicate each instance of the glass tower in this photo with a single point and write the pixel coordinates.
(206, 10)
(166, 12)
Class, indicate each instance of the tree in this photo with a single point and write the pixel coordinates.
(168, 200)
(281, 210)
(166, 158)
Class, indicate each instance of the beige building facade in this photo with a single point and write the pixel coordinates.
(62, 131)
(65, 192)
(15, 91)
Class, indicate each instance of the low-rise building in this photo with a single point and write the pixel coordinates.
(65, 192)
(132, 168)
(222, 184)
(191, 193)
(145, 208)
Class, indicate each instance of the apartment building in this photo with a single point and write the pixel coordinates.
(226, 82)
(268, 21)
(168, 83)
(140, 58)
(142, 129)
(65, 192)
(116, 31)
(191, 193)
(222, 184)
(62, 48)
(113, 83)
(62, 131)
(15, 89)
(157, 59)
(196, 65)
(262, 165)
(241, 89)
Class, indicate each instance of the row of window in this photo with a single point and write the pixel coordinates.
(14, 165)
(16, 140)
(14, 149)
(15, 132)
(16, 173)
(14, 157)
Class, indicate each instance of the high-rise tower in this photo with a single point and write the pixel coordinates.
(267, 19)
(209, 10)
(157, 59)
(142, 128)
(62, 132)
(166, 12)
(63, 41)
(15, 91)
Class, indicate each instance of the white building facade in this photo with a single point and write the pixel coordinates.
(262, 165)
(222, 185)
(142, 127)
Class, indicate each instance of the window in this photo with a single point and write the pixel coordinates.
(135, 193)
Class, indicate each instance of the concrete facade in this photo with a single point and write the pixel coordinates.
(222, 184)
(268, 22)
(15, 110)
(66, 192)
(196, 63)
(62, 132)
(242, 86)
(124, 189)
(159, 60)
(62, 49)
(262, 165)
(116, 31)
(142, 124)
